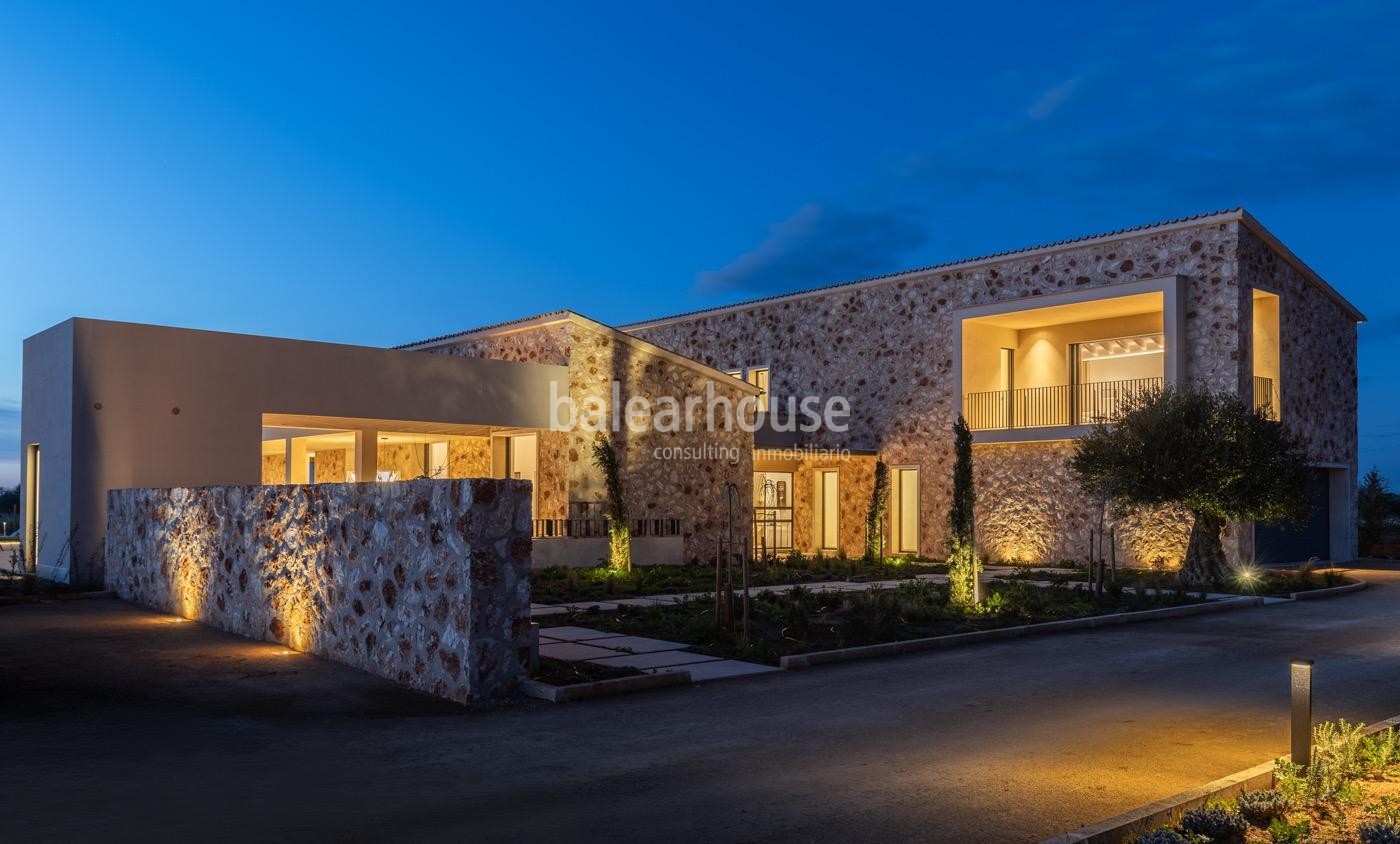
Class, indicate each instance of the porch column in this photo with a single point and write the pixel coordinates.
(366, 454)
(296, 461)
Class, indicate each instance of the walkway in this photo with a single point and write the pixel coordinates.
(582, 644)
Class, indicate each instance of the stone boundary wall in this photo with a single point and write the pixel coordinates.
(426, 583)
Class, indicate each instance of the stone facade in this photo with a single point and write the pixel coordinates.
(657, 483)
(469, 457)
(888, 346)
(274, 468)
(331, 466)
(425, 583)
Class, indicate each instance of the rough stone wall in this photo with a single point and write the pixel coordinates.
(1318, 357)
(405, 459)
(469, 457)
(330, 466)
(424, 582)
(855, 481)
(656, 486)
(274, 469)
(888, 348)
(1031, 509)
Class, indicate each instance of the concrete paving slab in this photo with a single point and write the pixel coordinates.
(540, 611)
(571, 633)
(638, 644)
(659, 659)
(573, 651)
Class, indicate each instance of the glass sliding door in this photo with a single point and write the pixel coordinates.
(1107, 372)
(904, 510)
(772, 512)
(827, 510)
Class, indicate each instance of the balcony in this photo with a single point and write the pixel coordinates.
(1265, 397)
(586, 520)
(1051, 407)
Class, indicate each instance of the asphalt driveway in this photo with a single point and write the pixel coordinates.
(120, 724)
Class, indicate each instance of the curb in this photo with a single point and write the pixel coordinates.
(604, 688)
(933, 643)
(1169, 810)
(1328, 592)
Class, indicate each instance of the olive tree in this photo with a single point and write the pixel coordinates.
(1209, 453)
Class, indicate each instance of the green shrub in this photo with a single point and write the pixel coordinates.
(1283, 832)
(1379, 752)
(1261, 807)
(1217, 823)
(1338, 763)
(1379, 832)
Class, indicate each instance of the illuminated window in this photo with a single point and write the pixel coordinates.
(904, 512)
(755, 375)
(1108, 372)
(1266, 354)
(1120, 359)
(828, 510)
(758, 376)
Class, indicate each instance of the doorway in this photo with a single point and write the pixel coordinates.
(904, 510)
(31, 506)
(520, 458)
(828, 509)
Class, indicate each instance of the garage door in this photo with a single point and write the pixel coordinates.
(1286, 543)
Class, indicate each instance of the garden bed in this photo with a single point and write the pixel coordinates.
(564, 584)
(558, 672)
(1350, 793)
(799, 620)
(1280, 583)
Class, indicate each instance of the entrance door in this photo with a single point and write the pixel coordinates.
(828, 500)
(772, 512)
(904, 510)
(522, 463)
(1287, 543)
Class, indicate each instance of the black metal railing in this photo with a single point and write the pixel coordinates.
(586, 521)
(1264, 397)
(1050, 407)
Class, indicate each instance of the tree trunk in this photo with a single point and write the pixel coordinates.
(1205, 556)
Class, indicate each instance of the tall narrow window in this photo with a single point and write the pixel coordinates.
(31, 506)
(828, 510)
(1266, 354)
(904, 512)
(437, 460)
(758, 376)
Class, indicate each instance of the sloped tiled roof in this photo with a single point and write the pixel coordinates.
(1223, 215)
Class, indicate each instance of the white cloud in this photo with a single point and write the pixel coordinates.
(1050, 100)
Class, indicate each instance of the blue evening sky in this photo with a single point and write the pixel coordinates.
(382, 174)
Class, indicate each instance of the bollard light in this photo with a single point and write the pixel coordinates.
(1300, 681)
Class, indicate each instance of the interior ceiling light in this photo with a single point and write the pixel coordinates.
(1147, 344)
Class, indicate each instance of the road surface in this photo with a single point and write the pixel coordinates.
(122, 725)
